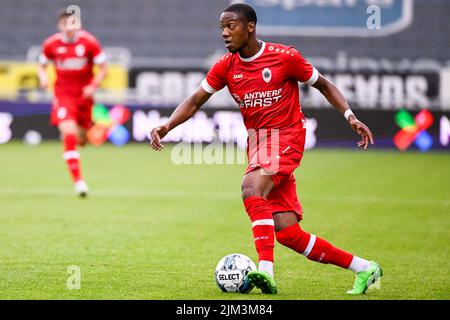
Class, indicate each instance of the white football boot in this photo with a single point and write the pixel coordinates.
(81, 188)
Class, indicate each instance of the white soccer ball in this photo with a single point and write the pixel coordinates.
(32, 138)
(231, 273)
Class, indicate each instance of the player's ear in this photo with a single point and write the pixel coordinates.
(251, 26)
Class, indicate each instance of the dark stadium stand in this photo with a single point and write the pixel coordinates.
(188, 29)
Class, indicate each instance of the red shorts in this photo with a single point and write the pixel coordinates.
(280, 164)
(69, 108)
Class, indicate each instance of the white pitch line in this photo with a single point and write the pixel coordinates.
(117, 193)
(379, 199)
(143, 193)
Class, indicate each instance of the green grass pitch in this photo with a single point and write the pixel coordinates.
(155, 230)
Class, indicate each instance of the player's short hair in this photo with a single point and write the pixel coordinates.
(62, 13)
(244, 10)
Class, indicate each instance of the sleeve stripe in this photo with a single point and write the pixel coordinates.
(100, 58)
(314, 77)
(42, 59)
(205, 85)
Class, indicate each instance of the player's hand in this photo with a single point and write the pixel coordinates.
(88, 91)
(156, 135)
(364, 131)
(43, 81)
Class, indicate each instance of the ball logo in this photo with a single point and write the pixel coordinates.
(267, 75)
(229, 276)
(80, 50)
(231, 272)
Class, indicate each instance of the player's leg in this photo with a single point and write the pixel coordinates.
(256, 185)
(69, 134)
(82, 136)
(64, 116)
(83, 115)
(290, 234)
(84, 119)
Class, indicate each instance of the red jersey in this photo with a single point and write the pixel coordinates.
(266, 87)
(73, 61)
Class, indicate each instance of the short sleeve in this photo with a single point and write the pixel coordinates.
(215, 78)
(97, 54)
(46, 53)
(299, 68)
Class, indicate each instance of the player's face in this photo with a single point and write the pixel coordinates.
(68, 28)
(235, 32)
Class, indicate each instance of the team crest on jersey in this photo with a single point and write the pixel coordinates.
(267, 75)
(79, 50)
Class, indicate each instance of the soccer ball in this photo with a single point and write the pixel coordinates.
(231, 273)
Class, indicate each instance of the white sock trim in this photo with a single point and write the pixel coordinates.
(263, 222)
(267, 266)
(71, 155)
(359, 264)
(312, 241)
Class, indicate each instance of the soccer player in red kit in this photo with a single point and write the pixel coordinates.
(263, 79)
(73, 52)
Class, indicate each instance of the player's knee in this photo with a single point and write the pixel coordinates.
(82, 141)
(284, 220)
(82, 138)
(249, 188)
(67, 128)
(250, 191)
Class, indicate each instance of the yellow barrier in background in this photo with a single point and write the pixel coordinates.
(16, 77)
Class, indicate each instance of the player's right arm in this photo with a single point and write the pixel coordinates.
(42, 75)
(44, 58)
(182, 113)
(214, 81)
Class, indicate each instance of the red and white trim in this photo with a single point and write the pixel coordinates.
(257, 55)
(205, 85)
(43, 59)
(63, 37)
(310, 246)
(263, 222)
(313, 78)
(68, 155)
(100, 58)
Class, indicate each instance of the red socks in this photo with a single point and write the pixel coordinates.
(71, 156)
(262, 225)
(312, 247)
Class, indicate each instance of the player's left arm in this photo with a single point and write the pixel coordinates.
(99, 58)
(337, 100)
(89, 90)
(300, 69)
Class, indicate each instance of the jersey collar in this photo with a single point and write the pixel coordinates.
(260, 52)
(64, 39)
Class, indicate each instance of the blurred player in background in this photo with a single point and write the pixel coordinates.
(263, 79)
(73, 52)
